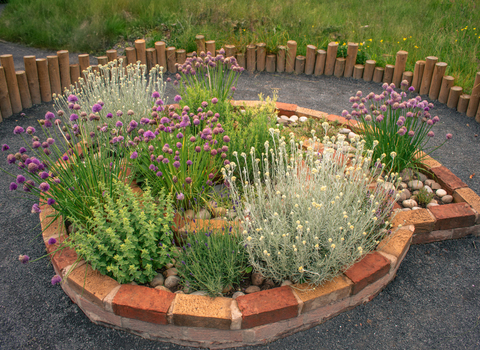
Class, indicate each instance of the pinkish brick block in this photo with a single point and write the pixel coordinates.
(422, 219)
(469, 196)
(287, 109)
(433, 236)
(98, 314)
(372, 267)
(202, 311)
(398, 242)
(447, 179)
(453, 215)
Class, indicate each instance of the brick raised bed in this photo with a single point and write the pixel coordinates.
(264, 316)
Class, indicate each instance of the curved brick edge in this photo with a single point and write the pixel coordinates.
(268, 315)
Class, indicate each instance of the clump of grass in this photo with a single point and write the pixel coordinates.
(424, 197)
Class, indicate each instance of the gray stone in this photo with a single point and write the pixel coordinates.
(436, 186)
(416, 208)
(170, 272)
(403, 186)
(415, 184)
(447, 199)
(284, 117)
(428, 189)
(257, 279)
(352, 135)
(441, 193)
(429, 182)
(157, 281)
(252, 289)
(344, 131)
(404, 195)
(429, 205)
(421, 177)
(169, 266)
(294, 118)
(406, 174)
(286, 283)
(203, 214)
(237, 294)
(409, 203)
(172, 281)
(303, 119)
(163, 288)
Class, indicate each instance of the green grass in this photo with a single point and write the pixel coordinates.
(448, 29)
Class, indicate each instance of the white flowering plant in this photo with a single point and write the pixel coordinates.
(308, 214)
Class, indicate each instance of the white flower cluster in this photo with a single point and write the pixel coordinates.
(312, 212)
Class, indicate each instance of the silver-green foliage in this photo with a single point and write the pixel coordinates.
(308, 215)
(126, 238)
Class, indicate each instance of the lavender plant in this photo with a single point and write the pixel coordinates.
(128, 235)
(310, 215)
(399, 125)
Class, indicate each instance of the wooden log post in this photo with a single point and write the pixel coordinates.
(378, 74)
(83, 62)
(281, 53)
(161, 56)
(261, 56)
(74, 73)
(369, 70)
(408, 76)
(54, 75)
(310, 59)
(210, 46)
(140, 48)
(32, 78)
(181, 56)
(44, 80)
(454, 96)
(358, 71)
(11, 77)
(131, 55)
(251, 58)
(474, 97)
(331, 57)
(112, 55)
(23, 88)
(352, 51)
(477, 116)
(171, 59)
(299, 64)
(447, 83)
(230, 50)
(437, 77)
(102, 60)
(5, 105)
(339, 66)
(241, 60)
(430, 62)
(418, 75)
(388, 73)
(320, 62)
(463, 102)
(200, 41)
(151, 58)
(291, 55)
(95, 68)
(400, 64)
(64, 68)
(270, 63)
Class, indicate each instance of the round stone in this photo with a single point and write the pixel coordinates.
(433, 201)
(157, 281)
(416, 208)
(219, 212)
(227, 289)
(286, 283)
(303, 119)
(404, 195)
(257, 279)
(415, 184)
(344, 131)
(447, 199)
(237, 294)
(252, 289)
(284, 117)
(171, 272)
(203, 214)
(294, 118)
(189, 214)
(421, 177)
(436, 186)
(172, 281)
(429, 182)
(165, 289)
(409, 203)
(351, 135)
(429, 205)
(441, 193)
(428, 189)
(403, 186)
(406, 209)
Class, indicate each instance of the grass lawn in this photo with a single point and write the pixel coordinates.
(448, 29)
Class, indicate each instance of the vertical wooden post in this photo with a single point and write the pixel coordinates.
(408, 76)
(320, 62)
(102, 60)
(23, 88)
(463, 102)
(251, 58)
(477, 116)
(299, 64)
(281, 58)
(112, 55)
(261, 56)
(95, 69)
(430, 62)
(358, 71)
(200, 40)
(418, 75)
(230, 50)
(369, 69)
(453, 96)
(447, 83)
(14, 93)
(270, 66)
(388, 73)
(339, 66)
(83, 62)
(140, 49)
(151, 58)
(131, 55)
(331, 57)
(54, 75)
(181, 55)
(74, 73)
(32, 78)
(5, 105)
(352, 51)
(210, 46)
(400, 63)
(291, 54)
(378, 74)
(171, 59)
(241, 60)
(64, 67)
(474, 97)
(436, 83)
(44, 80)
(161, 57)
(310, 59)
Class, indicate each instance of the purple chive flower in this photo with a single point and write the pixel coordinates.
(44, 175)
(165, 161)
(179, 145)
(20, 179)
(52, 241)
(23, 259)
(149, 135)
(72, 98)
(176, 164)
(159, 102)
(50, 201)
(159, 174)
(96, 108)
(5, 147)
(177, 98)
(180, 197)
(47, 124)
(189, 162)
(179, 135)
(449, 136)
(18, 130)
(56, 279)
(13, 186)
(188, 180)
(134, 155)
(402, 131)
(44, 186)
(155, 94)
(49, 116)
(50, 141)
(133, 124)
(197, 149)
(36, 208)
(214, 100)
(226, 139)
(430, 134)
(73, 117)
(119, 124)
(152, 167)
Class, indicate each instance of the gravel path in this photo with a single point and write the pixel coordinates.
(434, 302)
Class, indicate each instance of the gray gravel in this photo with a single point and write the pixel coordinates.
(434, 302)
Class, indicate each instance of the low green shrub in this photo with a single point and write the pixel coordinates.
(127, 237)
(424, 197)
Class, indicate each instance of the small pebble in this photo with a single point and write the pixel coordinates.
(429, 205)
(404, 195)
(294, 118)
(252, 289)
(406, 209)
(344, 131)
(409, 203)
(157, 281)
(416, 208)
(436, 186)
(179, 292)
(203, 214)
(170, 272)
(403, 185)
(163, 288)
(428, 189)
(447, 199)
(237, 294)
(441, 193)
(351, 135)
(303, 119)
(189, 214)
(286, 283)
(421, 177)
(284, 117)
(199, 292)
(172, 281)
(415, 184)
(429, 182)
(257, 279)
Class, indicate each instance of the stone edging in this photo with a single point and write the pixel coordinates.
(264, 316)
